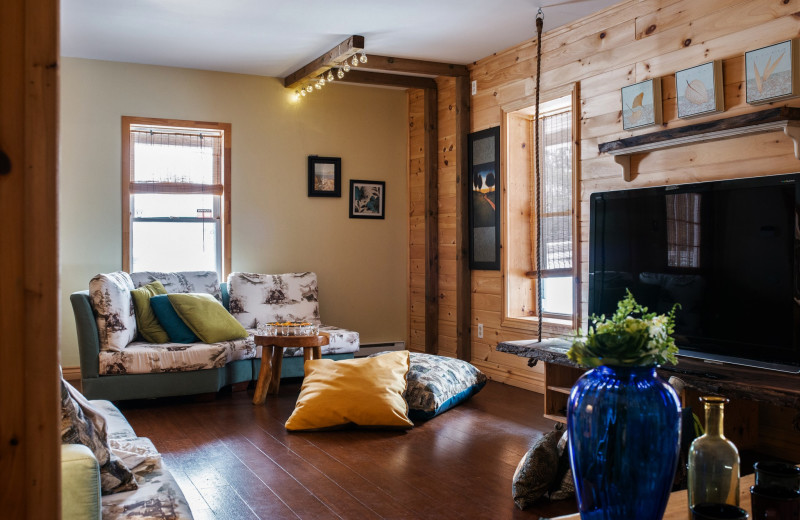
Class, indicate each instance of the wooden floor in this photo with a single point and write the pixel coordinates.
(234, 460)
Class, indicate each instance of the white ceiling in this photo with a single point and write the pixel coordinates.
(275, 38)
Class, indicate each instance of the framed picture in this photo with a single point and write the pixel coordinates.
(772, 72)
(367, 199)
(324, 176)
(484, 201)
(641, 104)
(700, 90)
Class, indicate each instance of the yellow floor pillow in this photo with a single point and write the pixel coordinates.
(362, 392)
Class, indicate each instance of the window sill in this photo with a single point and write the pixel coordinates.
(531, 323)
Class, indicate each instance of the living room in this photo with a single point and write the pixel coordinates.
(277, 228)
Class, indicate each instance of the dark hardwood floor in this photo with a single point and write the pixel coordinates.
(234, 460)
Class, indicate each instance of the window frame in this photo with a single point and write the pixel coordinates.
(554, 323)
(225, 197)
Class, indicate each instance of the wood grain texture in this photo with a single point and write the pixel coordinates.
(29, 395)
(431, 183)
(602, 53)
(234, 460)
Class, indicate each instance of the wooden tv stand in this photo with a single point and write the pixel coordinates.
(758, 396)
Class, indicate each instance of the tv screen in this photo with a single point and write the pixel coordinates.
(727, 251)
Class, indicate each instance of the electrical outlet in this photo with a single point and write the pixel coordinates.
(480, 330)
(474, 87)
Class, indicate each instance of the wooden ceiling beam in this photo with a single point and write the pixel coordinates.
(331, 58)
(430, 68)
(387, 80)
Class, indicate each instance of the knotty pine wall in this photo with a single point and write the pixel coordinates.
(627, 43)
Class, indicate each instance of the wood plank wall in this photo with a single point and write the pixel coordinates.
(626, 43)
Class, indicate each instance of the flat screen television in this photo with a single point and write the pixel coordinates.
(727, 251)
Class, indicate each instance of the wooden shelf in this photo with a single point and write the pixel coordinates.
(786, 119)
(558, 418)
(560, 389)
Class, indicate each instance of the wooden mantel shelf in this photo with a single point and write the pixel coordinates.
(770, 120)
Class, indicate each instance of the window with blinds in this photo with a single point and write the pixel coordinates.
(174, 183)
(556, 212)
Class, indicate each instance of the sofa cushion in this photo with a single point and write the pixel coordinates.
(264, 298)
(177, 330)
(362, 392)
(117, 427)
(82, 424)
(80, 483)
(139, 454)
(147, 358)
(113, 309)
(181, 281)
(207, 318)
(146, 322)
(158, 497)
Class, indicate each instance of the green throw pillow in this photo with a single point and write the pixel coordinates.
(207, 318)
(146, 322)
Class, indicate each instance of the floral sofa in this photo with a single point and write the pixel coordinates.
(116, 364)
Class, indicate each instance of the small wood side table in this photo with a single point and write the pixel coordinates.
(269, 377)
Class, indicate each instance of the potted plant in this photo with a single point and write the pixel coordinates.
(623, 419)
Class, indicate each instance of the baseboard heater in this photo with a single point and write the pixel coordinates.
(367, 349)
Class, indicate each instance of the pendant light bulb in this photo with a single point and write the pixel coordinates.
(354, 61)
(346, 67)
(309, 89)
(363, 57)
(303, 92)
(330, 75)
(317, 85)
(321, 81)
(339, 73)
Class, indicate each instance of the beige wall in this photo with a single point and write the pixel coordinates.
(361, 264)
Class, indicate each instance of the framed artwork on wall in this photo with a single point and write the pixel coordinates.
(367, 199)
(772, 72)
(484, 201)
(641, 104)
(324, 176)
(699, 90)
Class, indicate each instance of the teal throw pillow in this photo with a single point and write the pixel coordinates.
(177, 330)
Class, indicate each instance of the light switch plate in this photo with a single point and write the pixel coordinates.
(474, 87)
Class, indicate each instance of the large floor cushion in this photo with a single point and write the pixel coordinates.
(148, 358)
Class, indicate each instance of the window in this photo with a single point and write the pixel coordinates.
(557, 217)
(175, 195)
(683, 230)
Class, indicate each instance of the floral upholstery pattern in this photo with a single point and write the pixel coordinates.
(141, 357)
(83, 424)
(147, 358)
(113, 309)
(263, 298)
(438, 383)
(158, 495)
(181, 282)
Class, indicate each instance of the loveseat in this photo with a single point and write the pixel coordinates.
(156, 494)
(117, 365)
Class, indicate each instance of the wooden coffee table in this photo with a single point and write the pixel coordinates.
(269, 377)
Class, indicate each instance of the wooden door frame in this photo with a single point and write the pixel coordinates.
(30, 451)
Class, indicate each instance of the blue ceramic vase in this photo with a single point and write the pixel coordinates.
(624, 438)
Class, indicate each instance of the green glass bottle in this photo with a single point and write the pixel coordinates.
(713, 473)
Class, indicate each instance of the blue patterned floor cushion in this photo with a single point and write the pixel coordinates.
(438, 383)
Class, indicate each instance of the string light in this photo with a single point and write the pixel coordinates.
(328, 76)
